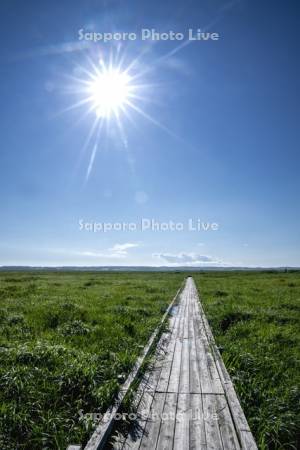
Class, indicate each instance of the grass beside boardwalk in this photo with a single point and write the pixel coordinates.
(67, 341)
(255, 318)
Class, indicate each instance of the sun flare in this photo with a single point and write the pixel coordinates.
(114, 93)
(109, 92)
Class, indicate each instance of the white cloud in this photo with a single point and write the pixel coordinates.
(88, 253)
(116, 251)
(124, 247)
(187, 259)
(121, 250)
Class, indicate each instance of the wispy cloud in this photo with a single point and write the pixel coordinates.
(55, 49)
(121, 250)
(114, 252)
(186, 259)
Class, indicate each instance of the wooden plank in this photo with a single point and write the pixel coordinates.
(182, 425)
(186, 318)
(167, 364)
(226, 425)
(184, 381)
(209, 378)
(217, 387)
(166, 432)
(247, 440)
(182, 317)
(205, 379)
(197, 428)
(173, 385)
(212, 431)
(195, 385)
(152, 428)
(235, 407)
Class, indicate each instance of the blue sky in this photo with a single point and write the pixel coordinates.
(222, 145)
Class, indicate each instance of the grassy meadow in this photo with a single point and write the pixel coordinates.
(67, 342)
(255, 318)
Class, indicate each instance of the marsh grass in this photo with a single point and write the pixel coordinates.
(256, 323)
(67, 342)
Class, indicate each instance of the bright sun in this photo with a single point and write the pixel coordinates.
(112, 92)
(109, 92)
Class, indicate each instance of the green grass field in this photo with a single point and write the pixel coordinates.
(69, 339)
(67, 342)
(255, 318)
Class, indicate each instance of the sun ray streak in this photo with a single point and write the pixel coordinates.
(94, 151)
(228, 6)
(87, 141)
(79, 104)
(152, 120)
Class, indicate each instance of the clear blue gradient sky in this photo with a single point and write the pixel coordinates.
(226, 149)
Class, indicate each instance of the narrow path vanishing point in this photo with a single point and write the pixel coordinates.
(187, 400)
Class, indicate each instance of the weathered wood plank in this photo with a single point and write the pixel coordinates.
(182, 425)
(184, 381)
(212, 431)
(205, 380)
(173, 385)
(197, 426)
(226, 426)
(247, 440)
(195, 385)
(168, 360)
(152, 428)
(166, 432)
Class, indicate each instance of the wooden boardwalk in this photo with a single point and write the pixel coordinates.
(187, 400)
